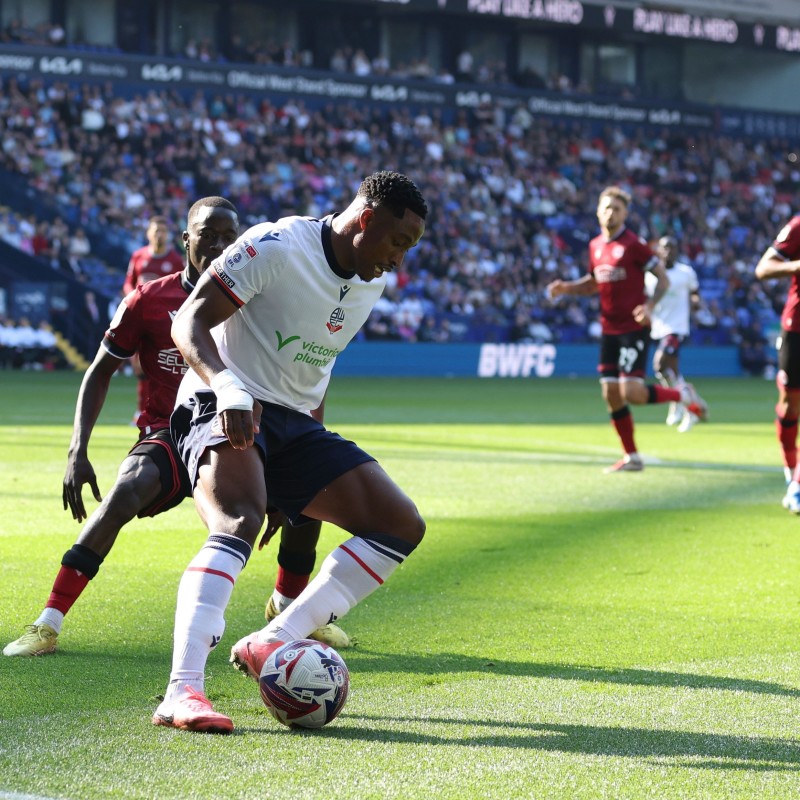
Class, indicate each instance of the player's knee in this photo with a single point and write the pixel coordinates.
(128, 497)
(243, 520)
(414, 525)
(404, 522)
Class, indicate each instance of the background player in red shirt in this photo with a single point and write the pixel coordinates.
(152, 477)
(782, 260)
(157, 259)
(618, 261)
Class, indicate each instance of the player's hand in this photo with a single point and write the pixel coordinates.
(642, 314)
(240, 426)
(275, 520)
(554, 289)
(79, 472)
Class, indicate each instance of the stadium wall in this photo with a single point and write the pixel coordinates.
(398, 359)
(129, 74)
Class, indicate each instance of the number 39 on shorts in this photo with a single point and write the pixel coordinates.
(627, 359)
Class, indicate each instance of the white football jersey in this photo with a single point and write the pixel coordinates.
(298, 309)
(672, 313)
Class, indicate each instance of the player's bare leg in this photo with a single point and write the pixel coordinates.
(665, 367)
(615, 397)
(137, 486)
(296, 559)
(386, 528)
(787, 411)
(231, 499)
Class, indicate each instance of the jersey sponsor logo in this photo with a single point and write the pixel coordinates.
(224, 277)
(516, 360)
(317, 355)
(171, 360)
(314, 353)
(240, 255)
(336, 321)
(283, 342)
(343, 290)
(607, 273)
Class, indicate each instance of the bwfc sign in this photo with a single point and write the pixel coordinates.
(516, 360)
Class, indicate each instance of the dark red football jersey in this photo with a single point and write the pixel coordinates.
(144, 267)
(618, 265)
(787, 243)
(143, 325)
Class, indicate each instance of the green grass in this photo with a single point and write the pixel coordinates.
(560, 633)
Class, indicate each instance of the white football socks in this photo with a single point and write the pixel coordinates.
(282, 602)
(351, 572)
(52, 617)
(203, 595)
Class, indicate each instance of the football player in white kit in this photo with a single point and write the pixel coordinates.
(670, 325)
(261, 333)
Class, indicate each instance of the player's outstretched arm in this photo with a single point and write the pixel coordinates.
(583, 286)
(91, 398)
(206, 307)
(772, 265)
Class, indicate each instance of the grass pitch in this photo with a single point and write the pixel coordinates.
(560, 633)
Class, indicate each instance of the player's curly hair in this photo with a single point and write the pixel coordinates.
(394, 191)
(214, 201)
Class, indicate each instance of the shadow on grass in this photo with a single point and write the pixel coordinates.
(141, 666)
(712, 751)
(444, 663)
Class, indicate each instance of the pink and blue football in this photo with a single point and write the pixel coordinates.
(304, 683)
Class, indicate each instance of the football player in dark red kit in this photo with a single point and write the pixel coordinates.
(157, 259)
(782, 260)
(152, 478)
(618, 261)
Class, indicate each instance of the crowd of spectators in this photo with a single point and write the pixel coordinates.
(512, 196)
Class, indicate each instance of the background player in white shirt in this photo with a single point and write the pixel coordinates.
(670, 322)
(261, 332)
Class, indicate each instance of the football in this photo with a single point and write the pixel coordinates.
(304, 683)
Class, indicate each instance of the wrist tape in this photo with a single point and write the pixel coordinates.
(230, 392)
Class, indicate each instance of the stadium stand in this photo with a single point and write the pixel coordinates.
(512, 193)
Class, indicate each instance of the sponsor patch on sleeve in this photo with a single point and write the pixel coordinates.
(239, 255)
(226, 279)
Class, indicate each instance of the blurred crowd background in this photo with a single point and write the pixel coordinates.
(512, 194)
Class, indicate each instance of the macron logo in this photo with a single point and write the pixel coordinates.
(172, 315)
(269, 237)
(343, 290)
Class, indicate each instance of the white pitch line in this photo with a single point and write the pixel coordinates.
(16, 796)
